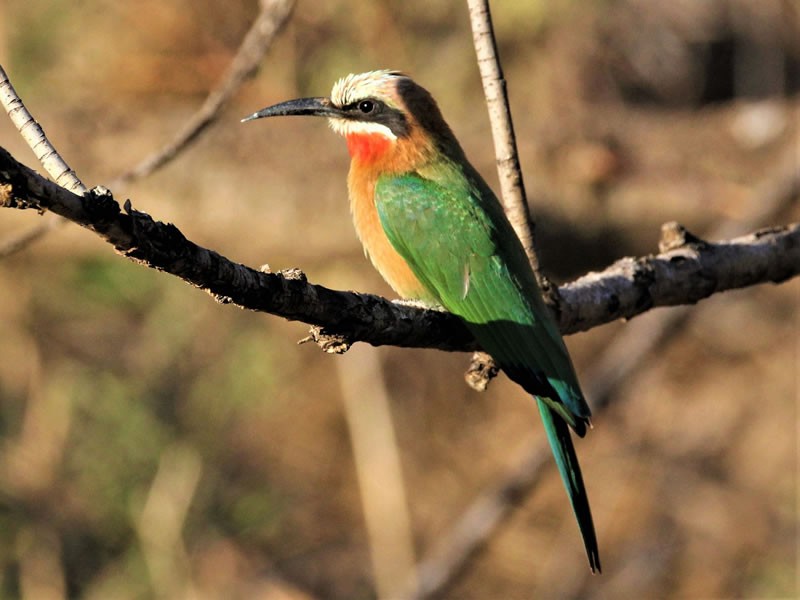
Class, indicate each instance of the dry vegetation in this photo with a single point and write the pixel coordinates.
(156, 444)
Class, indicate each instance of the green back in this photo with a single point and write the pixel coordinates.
(451, 230)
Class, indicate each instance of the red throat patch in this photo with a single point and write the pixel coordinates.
(367, 147)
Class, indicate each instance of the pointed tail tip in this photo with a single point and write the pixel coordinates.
(594, 563)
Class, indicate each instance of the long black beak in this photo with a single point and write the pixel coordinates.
(321, 107)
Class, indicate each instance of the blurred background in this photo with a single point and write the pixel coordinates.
(155, 444)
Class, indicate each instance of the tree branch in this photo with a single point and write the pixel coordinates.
(629, 351)
(687, 272)
(512, 189)
(35, 137)
(270, 20)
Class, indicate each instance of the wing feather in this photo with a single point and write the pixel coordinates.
(456, 240)
(459, 244)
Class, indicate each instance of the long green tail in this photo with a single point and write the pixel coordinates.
(560, 439)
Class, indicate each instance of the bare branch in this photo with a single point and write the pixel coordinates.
(34, 135)
(273, 16)
(26, 238)
(355, 317)
(683, 275)
(505, 144)
(629, 351)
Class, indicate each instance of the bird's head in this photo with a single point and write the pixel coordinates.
(385, 117)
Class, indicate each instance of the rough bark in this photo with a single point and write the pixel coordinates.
(689, 270)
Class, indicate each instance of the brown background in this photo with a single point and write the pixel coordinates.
(156, 444)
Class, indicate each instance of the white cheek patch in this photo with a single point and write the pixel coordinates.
(347, 127)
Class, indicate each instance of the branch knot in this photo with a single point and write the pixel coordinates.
(674, 236)
(331, 343)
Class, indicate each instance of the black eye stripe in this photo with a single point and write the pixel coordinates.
(376, 106)
(376, 111)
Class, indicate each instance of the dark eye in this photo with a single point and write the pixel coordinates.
(366, 106)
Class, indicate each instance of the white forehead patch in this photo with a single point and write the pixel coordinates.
(347, 127)
(358, 86)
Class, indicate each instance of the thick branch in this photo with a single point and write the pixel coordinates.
(689, 271)
(346, 316)
(684, 274)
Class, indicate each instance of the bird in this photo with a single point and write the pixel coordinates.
(436, 232)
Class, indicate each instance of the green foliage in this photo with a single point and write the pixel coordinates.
(104, 282)
(116, 431)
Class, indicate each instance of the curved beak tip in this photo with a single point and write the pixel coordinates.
(321, 107)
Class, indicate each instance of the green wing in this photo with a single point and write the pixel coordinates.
(456, 240)
(451, 231)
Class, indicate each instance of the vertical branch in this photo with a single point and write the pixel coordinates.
(628, 352)
(163, 517)
(379, 472)
(505, 144)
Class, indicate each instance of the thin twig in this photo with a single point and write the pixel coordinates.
(505, 145)
(34, 135)
(45, 152)
(21, 241)
(273, 16)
